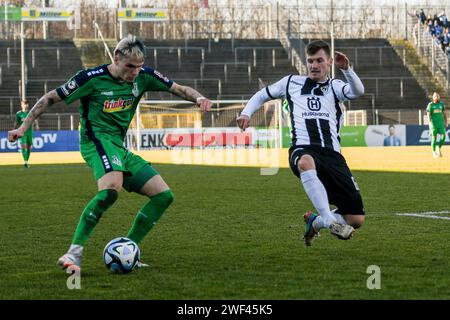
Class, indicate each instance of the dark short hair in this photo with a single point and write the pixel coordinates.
(391, 126)
(314, 46)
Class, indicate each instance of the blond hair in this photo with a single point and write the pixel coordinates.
(130, 47)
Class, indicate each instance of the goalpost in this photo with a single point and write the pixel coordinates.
(174, 124)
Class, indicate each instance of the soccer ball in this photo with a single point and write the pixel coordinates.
(121, 255)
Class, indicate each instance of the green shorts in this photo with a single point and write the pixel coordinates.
(104, 156)
(435, 130)
(27, 139)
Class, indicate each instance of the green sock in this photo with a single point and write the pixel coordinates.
(441, 140)
(92, 214)
(25, 154)
(433, 142)
(149, 215)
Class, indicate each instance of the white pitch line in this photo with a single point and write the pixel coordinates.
(430, 214)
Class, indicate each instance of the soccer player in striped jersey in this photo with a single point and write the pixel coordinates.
(316, 118)
(109, 95)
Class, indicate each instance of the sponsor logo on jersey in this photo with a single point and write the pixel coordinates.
(437, 111)
(117, 105)
(116, 161)
(69, 87)
(324, 89)
(107, 93)
(160, 75)
(94, 72)
(135, 90)
(315, 114)
(314, 104)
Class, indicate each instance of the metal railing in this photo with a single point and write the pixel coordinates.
(58, 54)
(186, 48)
(47, 121)
(401, 81)
(225, 68)
(386, 116)
(254, 53)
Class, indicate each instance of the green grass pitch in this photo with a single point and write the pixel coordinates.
(230, 234)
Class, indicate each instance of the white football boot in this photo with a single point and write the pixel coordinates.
(73, 257)
(141, 265)
(342, 231)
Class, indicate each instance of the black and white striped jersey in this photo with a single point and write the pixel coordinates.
(315, 109)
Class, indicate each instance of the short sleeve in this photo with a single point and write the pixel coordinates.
(76, 88)
(155, 80)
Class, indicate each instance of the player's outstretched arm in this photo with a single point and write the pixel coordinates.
(341, 60)
(253, 105)
(190, 94)
(47, 100)
(355, 87)
(243, 121)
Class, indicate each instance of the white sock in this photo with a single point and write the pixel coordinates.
(318, 195)
(76, 249)
(339, 218)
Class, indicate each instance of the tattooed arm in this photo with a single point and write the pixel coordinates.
(190, 94)
(47, 100)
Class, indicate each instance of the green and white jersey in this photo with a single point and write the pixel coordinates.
(436, 114)
(108, 104)
(20, 117)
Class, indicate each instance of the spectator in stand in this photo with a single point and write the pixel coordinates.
(438, 28)
(431, 28)
(443, 19)
(436, 19)
(422, 17)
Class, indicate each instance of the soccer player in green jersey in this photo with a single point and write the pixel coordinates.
(26, 141)
(437, 123)
(109, 95)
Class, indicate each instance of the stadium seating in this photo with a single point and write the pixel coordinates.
(223, 69)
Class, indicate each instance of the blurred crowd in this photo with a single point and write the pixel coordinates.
(438, 27)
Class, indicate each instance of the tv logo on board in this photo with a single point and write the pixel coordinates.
(38, 142)
(426, 138)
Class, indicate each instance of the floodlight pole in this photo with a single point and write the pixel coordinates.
(22, 59)
(44, 24)
(333, 69)
(6, 19)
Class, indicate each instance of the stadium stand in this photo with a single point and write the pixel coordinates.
(223, 69)
(49, 63)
